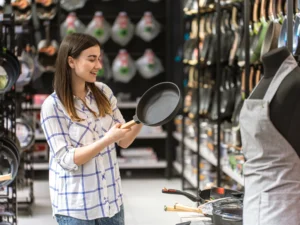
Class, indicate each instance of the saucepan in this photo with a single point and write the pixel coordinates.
(157, 106)
(207, 194)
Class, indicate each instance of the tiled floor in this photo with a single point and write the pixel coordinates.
(144, 203)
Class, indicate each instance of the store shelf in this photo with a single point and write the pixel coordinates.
(152, 136)
(187, 175)
(41, 166)
(41, 137)
(209, 156)
(233, 175)
(121, 105)
(143, 165)
(204, 152)
(127, 105)
(131, 165)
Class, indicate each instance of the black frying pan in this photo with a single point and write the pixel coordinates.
(271, 40)
(206, 194)
(157, 106)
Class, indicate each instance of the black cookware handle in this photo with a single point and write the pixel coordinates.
(225, 218)
(177, 192)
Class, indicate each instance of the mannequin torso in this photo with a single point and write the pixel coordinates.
(285, 106)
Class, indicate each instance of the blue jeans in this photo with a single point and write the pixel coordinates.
(117, 219)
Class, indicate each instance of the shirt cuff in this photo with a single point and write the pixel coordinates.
(66, 161)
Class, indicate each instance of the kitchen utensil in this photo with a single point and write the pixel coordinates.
(46, 9)
(271, 40)
(157, 106)
(122, 30)
(9, 160)
(5, 177)
(123, 67)
(148, 27)
(71, 5)
(99, 28)
(25, 133)
(47, 49)
(71, 25)
(205, 195)
(149, 65)
(260, 30)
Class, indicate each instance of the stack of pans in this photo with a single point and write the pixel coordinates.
(9, 159)
(228, 212)
(9, 70)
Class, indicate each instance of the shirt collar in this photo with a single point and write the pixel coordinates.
(88, 94)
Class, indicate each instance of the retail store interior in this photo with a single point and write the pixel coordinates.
(187, 169)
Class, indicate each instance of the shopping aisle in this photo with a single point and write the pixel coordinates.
(143, 201)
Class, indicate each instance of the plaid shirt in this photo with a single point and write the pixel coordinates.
(92, 190)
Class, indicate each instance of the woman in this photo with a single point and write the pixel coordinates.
(81, 122)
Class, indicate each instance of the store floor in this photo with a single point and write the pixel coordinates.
(143, 201)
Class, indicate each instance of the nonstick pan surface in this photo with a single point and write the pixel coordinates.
(157, 106)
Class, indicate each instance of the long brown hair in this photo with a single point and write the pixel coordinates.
(73, 45)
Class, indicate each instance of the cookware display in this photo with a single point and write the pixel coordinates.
(46, 9)
(71, 5)
(9, 159)
(148, 27)
(296, 31)
(25, 133)
(99, 28)
(105, 73)
(71, 25)
(22, 10)
(206, 194)
(149, 65)
(123, 67)
(157, 106)
(47, 50)
(223, 206)
(27, 68)
(122, 29)
(267, 31)
(9, 70)
(271, 40)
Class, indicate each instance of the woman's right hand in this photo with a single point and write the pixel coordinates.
(116, 133)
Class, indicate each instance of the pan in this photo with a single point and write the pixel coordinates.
(9, 160)
(282, 40)
(157, 106)
(296, 34)
(207, 194)
(273, 31)
(259, 38)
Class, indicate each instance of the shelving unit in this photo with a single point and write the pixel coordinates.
(202, 28)
(121, 105)
(188, 177)
(209, 156)
(143, 165)
(163, 135)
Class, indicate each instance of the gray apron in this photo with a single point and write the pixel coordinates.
(272, 167)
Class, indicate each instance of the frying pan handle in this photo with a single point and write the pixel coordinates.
(131, 123)
(5, 177)
(172, 209)
(187, 208)
(177, 192)
(128, 124)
